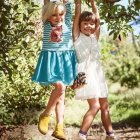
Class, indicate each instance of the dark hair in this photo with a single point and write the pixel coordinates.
(87, 16)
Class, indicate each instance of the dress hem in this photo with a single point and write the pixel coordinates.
(76, 98)
(51, 83)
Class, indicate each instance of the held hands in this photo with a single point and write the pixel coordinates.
(92, 4)
(79, 81)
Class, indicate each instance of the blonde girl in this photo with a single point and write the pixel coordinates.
(57, 62)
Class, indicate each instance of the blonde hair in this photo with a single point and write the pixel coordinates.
(49, 9)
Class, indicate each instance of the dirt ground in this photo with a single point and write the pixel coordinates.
(30, 132)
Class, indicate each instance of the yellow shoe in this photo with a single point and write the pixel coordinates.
(43, 123)
(59, 132)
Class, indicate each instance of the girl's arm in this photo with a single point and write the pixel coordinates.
(75, 29)
(68, 15)
(95, 11)
(65, 1)
(45, 1)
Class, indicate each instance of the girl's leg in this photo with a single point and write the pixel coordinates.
(94, 107)
(105, 116)
(59, 110)
(56, 99)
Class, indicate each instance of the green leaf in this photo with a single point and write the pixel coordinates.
(111, 33)
(15, 7)
(24, 44)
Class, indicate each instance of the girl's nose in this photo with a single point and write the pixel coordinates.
(58, 17)
(89, 26)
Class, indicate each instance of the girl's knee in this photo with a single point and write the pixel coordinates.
(105, 107)
(94, 104)
(60, 87)
(95, 107)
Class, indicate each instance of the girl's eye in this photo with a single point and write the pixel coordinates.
(54, 15)
(61, 14)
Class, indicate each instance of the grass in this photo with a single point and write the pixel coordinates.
(74, 112)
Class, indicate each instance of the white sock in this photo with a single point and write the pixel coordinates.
(82, 136)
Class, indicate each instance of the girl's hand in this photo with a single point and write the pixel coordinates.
(88, 2)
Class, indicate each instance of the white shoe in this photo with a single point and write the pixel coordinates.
(82, 136)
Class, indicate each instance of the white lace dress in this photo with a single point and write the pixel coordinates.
(88, 55)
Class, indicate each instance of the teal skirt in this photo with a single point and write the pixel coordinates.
(54, 66)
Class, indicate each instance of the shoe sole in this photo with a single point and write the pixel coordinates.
(58, 138)
(41, 131)
(53, 138)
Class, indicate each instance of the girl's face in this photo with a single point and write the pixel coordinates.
(87, 27)
(57, 18)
